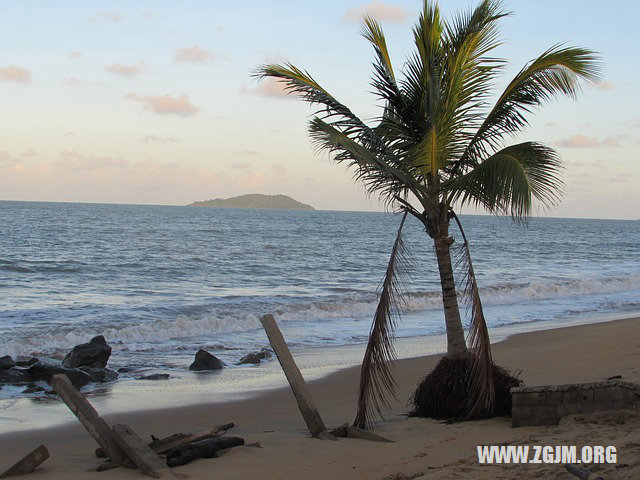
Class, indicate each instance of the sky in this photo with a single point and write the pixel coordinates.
(153, 102)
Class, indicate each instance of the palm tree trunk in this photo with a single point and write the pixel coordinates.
(456, 345)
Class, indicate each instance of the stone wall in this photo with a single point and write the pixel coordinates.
(547, 404)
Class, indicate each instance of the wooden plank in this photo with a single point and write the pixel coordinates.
(164, 444)
(28, 463)
(140, 453)
(87, 415)
(292, 372)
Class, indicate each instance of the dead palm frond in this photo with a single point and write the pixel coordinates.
(480, 374)
(376, 375)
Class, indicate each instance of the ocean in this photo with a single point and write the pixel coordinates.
(160, 282)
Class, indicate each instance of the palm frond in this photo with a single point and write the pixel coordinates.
(480, 379)
(376, 374)
(558, 71)
(507, 181)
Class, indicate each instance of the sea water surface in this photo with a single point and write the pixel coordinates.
(160, 282)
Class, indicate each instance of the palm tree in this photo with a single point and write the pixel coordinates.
(438, 144)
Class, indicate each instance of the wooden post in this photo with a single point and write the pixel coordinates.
(28, 463)
(87, 415)
(292, 372)
(140, 453)
(164, 444)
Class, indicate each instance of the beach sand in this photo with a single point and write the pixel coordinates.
(422, 447)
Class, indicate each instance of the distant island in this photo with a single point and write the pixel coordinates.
(255, 200)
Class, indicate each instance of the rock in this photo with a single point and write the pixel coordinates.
(24, 361)
(251, 358)
(94, 353)
(6, 362)
(100, 374)
(33, 389)
(255, 358)
(14, 376)
(125, 369)
(154, 376)
(44, 371)
(205, 361)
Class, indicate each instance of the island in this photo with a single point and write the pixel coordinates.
(255, 200)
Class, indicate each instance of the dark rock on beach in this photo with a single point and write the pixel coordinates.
(255, 358)
(100, 374)
(155, 376)
(205, 361)
(14, 376)
(6, 362)
(44, 372)
(94, 353)
(25, 361)
(34, 389)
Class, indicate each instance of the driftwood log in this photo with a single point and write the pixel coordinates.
(28, 463)
(139, 452)
(581, 473)
(203, 449)
(306, 405)
(87, 415)
(165, 444)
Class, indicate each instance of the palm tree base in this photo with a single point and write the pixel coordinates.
(443, 393)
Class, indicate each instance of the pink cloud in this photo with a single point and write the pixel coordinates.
(378, 10)
(246, 152)
(582, 141)
(278, 169)
(159, 139)
(29, 152)
(6, 159)
(250, 181)
(15, 73)
(75, 54)
(71, 159)
(604, 86)
(127, 70)
(165, 104)
(81, 83)
(241, 165)
(193, 54)
(268, 87)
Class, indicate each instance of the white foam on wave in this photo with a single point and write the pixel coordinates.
(226, 320)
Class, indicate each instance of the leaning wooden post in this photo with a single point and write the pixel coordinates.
(87, 415)
(292, 372)
(28, 463)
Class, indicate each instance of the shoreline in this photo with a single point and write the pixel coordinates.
(566, 354)
(190, 389)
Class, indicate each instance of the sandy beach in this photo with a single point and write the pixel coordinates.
(422, 447)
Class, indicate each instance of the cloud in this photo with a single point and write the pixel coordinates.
(110, 15)
(75, 54)
(604, 86)
(278, 169)
(159, 139)
(246, 152)
(269, 87)
(165, 104)
(15, 73)
(582, 141)
(193, 54)
(241, 165)
(73, 160)
(6, 159)
(378, 10)
(81, 83)
(127, 70)
(622, 177)
(29, 152)
(250, 181)
(70, 134)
